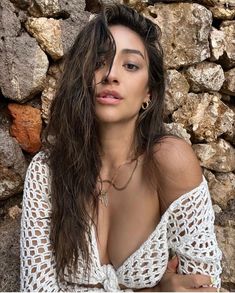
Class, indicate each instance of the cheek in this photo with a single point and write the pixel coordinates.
(141, 82)
(138, 91)
(141, 88)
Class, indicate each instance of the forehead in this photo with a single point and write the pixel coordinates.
(125, 38)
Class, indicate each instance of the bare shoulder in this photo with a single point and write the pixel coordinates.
(178, 168)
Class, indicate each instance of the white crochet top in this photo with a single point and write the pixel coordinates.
(187, 227)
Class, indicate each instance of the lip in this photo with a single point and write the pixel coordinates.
(108, 97)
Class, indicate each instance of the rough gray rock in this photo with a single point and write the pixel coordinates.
(205, 116)
(230, 134)
(70, 29)
(47, 97)
(57, 8)
(12, 165)
(217, 44)
(9, 23)
(228, 58)
(222, 187)
(179, 130)
(177, 89)
(9, 255)
(22, 4)
(40, 8)
(57, 35)
(185, 30)
(225, 12)
(205, 76)
(226, 236)
(54, 74)
(229, 84)
(218, 156)
(212, 3)
(47, 32)
(23, 67)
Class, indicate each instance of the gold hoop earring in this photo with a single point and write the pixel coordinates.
(145, 105)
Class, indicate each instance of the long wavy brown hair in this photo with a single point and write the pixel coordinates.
(72, 141)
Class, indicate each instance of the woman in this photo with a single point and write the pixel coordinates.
(111, 195)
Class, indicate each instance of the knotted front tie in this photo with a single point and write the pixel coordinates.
(110, 280)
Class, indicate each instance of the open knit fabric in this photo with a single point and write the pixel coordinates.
(187, 228)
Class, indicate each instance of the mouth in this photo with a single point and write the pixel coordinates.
(109, 98)
(110, 95)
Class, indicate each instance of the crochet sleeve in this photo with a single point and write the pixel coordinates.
(192, 236)
(38, 269)
(38, 266)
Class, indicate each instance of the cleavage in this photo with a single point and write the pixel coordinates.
(123, 229)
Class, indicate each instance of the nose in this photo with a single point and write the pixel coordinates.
(112, 75)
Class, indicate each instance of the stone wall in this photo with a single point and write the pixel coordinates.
(198, 38)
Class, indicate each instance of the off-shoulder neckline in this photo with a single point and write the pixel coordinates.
(155, 231)
(163, 220)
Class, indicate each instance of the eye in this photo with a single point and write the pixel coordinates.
(131, 67)
(100, 64)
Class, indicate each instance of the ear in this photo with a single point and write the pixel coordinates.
(148, 97)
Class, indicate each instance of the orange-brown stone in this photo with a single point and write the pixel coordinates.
(26, 126)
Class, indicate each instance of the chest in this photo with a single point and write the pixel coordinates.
(141, 269)
(126, 222)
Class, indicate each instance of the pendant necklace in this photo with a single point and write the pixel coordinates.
(103, 194)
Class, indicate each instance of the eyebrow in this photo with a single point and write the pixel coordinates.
(133, 51)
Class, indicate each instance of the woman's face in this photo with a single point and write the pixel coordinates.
(120, 97)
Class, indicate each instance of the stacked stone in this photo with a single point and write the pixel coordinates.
(199, 46)
(198, 39)
(34, 36)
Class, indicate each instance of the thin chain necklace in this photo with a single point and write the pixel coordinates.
(103, 194)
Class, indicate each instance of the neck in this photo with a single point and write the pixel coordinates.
(117, 145)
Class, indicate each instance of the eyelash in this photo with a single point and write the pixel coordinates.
(132, 65)
(101, 63)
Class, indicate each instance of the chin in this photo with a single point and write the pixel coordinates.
(107, 116)
(115, 116)
(107, 119)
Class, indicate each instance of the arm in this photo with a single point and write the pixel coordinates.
(192, 236)
(191, 223)
(38, 267)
